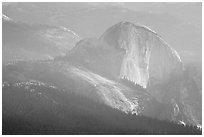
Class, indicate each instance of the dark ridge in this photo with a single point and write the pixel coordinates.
(132, 84)
(74, 114)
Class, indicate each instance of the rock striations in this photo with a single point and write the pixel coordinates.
(144, 57)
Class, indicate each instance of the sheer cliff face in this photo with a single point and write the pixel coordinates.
(146, 56)
(127, 51)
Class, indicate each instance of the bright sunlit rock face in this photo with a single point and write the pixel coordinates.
(146, 55)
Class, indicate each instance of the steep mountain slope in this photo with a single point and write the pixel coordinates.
(151, 61)
(140, 56)
(26, 42)
(77, 79)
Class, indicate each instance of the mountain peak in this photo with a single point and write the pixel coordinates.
(131, 25)
(131, 52)
(146, 53)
